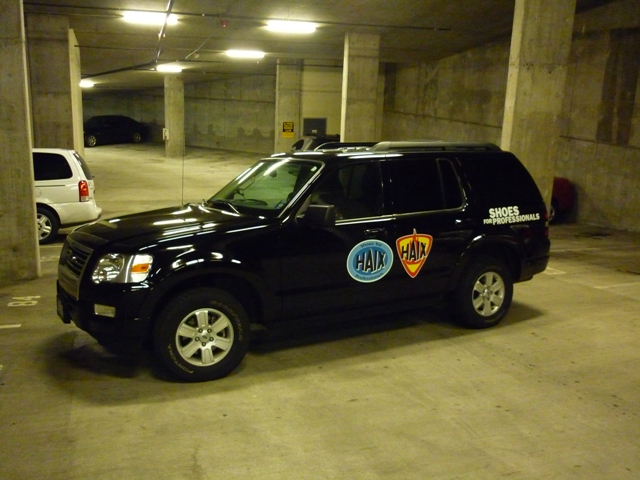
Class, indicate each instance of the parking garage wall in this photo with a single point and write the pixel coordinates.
(232, 114)
(143, 106)
(462, 98)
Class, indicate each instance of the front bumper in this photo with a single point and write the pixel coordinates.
(124, 327)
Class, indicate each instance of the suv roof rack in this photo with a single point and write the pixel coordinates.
(344, 145)
(433, 145)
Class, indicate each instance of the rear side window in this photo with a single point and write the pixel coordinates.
(500, 180)
(422, 184)
(50, 166)
(83, 165)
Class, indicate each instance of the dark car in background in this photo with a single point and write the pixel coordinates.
(105, 129)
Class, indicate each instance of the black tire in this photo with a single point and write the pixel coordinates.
(48, 225)
(90, 141)
(202, 335)
(484, 293)
(136, 137)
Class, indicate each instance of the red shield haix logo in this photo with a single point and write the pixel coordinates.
(413, 251)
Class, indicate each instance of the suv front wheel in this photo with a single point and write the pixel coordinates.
(203, 334)
(484, 293)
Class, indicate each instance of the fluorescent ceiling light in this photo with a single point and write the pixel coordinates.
(86, 84)
(149, 18)
(169, 68)
(244, 54)
(286, 26)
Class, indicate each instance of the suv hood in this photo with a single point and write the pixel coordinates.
(139, 228)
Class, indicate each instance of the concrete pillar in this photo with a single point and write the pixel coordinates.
(288, 126)
(174, 116)
(360, 87)
(19, 248)
(540, 47)
(76, 93)
(52, 85)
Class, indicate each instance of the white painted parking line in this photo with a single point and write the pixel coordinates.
(553, 271)
(15, 325)
(618, 285)
(582, 249)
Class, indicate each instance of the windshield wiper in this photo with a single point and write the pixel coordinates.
(222, 203)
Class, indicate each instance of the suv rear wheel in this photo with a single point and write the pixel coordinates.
(48, 225)
(484, 293)
(203, 334)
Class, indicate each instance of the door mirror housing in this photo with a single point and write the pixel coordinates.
(319, 216)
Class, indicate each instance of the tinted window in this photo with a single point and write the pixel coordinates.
(355, 191)
(451, 190)
(422, 184)
(83, 165)
(500, 179)
(50, 166)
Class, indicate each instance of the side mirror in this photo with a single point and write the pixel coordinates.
(319, 216)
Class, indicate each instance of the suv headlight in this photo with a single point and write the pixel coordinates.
(121, 268)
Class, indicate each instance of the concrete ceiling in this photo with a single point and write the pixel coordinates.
(119, 55)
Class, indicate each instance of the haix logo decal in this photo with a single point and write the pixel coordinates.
(413, 250)
(369, 261)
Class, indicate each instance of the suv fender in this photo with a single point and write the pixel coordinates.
(502, 248)
(249, 289)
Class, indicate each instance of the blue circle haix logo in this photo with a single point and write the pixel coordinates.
(369, 261)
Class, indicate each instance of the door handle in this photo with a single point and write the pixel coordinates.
(375, 232)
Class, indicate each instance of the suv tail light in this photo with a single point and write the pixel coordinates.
(83, 190)
(546, 224)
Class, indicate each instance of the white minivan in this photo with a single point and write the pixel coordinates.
(64, 191)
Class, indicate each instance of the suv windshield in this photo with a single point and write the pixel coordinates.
(266, 187)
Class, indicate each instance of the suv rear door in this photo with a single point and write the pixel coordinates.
(432, 222)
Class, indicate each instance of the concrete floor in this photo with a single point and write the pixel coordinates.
(551, 393)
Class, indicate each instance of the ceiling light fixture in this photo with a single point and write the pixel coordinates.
(169, 68)
(149, 18)
(86, 83)
(245, 54)
(287, 26)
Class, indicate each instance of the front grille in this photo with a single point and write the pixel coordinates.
(75, 256)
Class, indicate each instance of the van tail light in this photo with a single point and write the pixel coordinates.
(83, 190)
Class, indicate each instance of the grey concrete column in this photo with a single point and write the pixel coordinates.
(19, 248)
(174, 116)
(360, 87)
(540, 47)
(50, 67)
(76, 93)
(288, 127)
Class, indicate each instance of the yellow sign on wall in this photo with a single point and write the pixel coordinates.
(287, 129)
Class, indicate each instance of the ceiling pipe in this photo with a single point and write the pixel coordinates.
(163, 30)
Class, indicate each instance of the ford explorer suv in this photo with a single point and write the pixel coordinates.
(64, 191)
(310, 236)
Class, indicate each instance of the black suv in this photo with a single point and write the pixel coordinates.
(309, 236)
